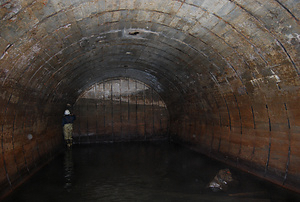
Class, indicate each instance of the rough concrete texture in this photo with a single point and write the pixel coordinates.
(227, 70)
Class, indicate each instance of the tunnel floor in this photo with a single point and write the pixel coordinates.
(159, 171)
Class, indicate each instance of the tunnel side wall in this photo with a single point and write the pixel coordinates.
(30, 137)
(115, 122)
(240, 58)
(257, 138)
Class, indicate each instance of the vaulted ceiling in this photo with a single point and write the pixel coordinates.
(185, 49)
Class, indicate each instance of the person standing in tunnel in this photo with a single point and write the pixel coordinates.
(67, 124)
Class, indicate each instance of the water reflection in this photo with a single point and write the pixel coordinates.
(68, 168)
(159, 172)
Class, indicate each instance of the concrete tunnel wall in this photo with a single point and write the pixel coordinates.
(119, 110)
(227, 70)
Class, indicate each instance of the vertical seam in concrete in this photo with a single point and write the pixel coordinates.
(270, 142)
(2, 143)
(152, 109)
(25, 161)
(13, 146)
(212, 138)
(136, 109)
(79, 124)
(206, 123)
(220, 122)
(128, 106)
(96, 103)
(3, 157)
(87, 124)
(121, 113)
(23, 149)
(32, 154)
(144, 94)
(104, 109)
(229, 119)
(112, 111)
(160, 121)
(289, 151)
(97, 131)
(34, 160)
(38, 148)
(240, 117)
(12, 137)
(254, 127)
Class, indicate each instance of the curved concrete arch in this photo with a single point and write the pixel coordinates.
(228, 70)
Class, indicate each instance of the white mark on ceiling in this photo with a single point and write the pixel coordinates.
(36, 48)
(256, 82)
(64, 27)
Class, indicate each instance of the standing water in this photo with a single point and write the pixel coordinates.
(139, 172)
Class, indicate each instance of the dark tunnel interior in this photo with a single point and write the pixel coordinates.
(219, 76)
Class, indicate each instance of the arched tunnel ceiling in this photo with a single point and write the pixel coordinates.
(185, 49)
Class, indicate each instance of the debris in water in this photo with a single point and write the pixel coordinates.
(221, 181)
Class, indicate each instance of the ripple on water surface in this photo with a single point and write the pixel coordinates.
(139, 172)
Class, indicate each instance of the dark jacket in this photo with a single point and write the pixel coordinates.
(68, 119)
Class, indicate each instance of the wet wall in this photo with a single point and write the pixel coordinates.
(227, 71)
(119, 110)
